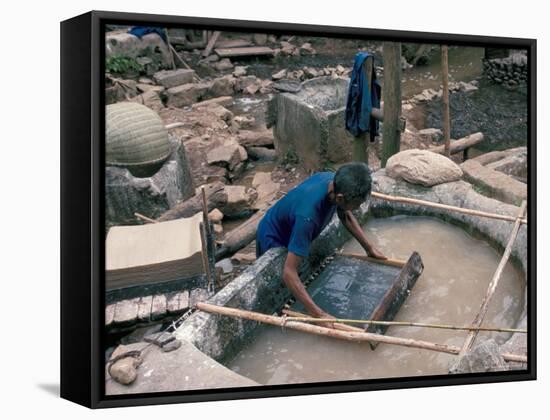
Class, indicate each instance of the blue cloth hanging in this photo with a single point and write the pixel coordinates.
(361, 99)
(140, 31)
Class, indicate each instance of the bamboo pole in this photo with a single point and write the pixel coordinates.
(446, 207)
(327, 332)
(297, 316)
(388, 261)
(494, 282)
(334, 333)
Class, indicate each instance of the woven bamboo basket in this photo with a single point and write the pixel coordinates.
(135, 138)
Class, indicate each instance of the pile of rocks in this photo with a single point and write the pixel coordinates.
(307, 73)
(429, 94)
(510, 71)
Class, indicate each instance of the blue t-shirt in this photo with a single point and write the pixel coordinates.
(297, 218)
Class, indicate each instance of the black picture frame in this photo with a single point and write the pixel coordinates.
(82, 209)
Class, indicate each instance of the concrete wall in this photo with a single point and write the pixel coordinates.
(311, 123)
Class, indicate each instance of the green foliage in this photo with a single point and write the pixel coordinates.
(290, 157)
(121, 64)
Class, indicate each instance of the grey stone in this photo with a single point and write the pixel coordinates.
(310, 124)
(225, 265)
(422, 167)
(215, 216)
(224, 64)
(239, 200)
(126, 312)
(495, 183)
(198, 295)
(260, 39)
(228, 155)
(244, 82)
(109, 314)
(484, 357)
(150, 99)
(239, 71)
(279, 75)
(255, 138)
(307, 49)
(150, 45)
(222, 86)
(222, 100)
(126, 194)
(185, 368)
(171, 78)
(158, 308)
(124, 371)
(177, 302)
(171, 346)
(187, 94)
(261, 153)
(431, 134)
(144, 308)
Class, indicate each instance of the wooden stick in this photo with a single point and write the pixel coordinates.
(494, 282)
(145, 218)
(389, 261)
(174, 125)
(297, 316)
(446, 207)
(170, 48)
(204, 255)
(332, 332)
(460, 145)
(211, 44)
(205, 219)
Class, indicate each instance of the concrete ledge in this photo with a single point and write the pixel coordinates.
(494, 182)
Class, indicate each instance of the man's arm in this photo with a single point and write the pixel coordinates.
(352, 225)
(295, 285)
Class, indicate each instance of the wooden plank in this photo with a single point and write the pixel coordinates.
(234, 43)
(460, 145)
(241, 52)
(211, 44)
(395, 296)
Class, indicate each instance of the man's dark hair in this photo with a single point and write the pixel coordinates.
(353, 181)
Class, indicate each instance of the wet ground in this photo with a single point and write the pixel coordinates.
(457, 271)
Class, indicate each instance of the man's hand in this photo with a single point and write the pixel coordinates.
(324, 315)
(373, 252)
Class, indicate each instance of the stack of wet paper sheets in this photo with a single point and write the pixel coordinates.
(153, 253)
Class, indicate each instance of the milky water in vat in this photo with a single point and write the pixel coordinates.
(458, 269)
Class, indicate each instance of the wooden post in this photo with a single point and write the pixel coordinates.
(446, 113)
(494, 282)
(391, 135)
